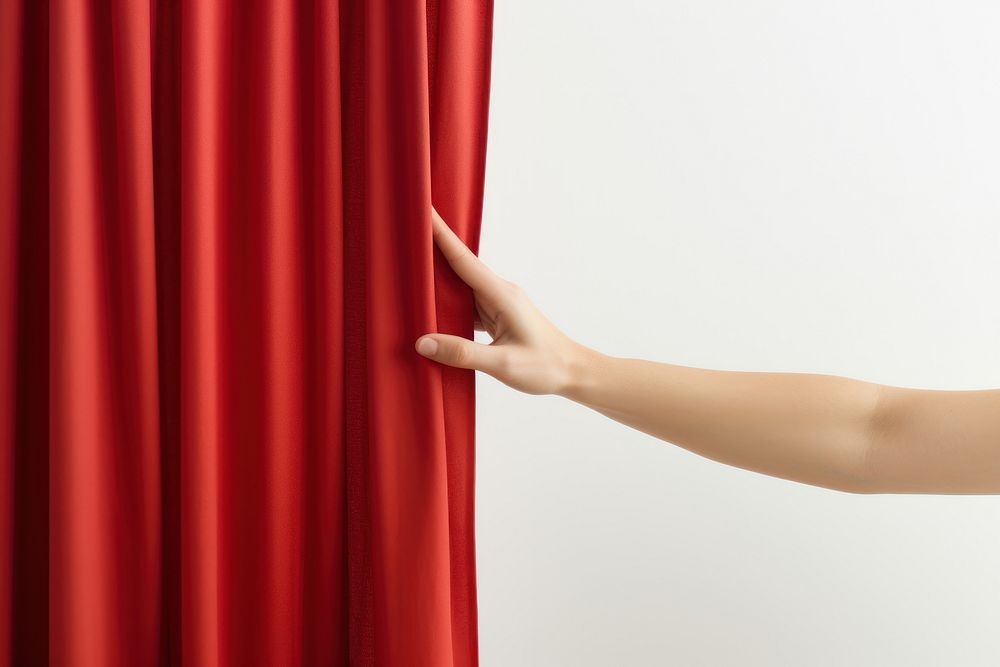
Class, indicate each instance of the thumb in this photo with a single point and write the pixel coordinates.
(459, 352)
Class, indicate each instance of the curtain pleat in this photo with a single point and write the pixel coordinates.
(10, 144)
(217, 445)
(103, 406)
(24, 334)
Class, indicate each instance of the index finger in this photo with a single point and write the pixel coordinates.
(463, 261)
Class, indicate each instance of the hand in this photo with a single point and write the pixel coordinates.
(528, 352)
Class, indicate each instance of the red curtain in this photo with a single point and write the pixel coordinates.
(217, 444)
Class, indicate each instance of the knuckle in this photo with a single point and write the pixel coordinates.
(466, 256)
(461, 355)
(514, 291)
(504, 364)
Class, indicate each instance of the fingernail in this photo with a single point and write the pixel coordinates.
(427, 347)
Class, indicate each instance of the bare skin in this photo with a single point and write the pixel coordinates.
(822, 430)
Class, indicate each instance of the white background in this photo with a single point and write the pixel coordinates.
(751, 185)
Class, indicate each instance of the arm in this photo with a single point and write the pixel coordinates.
(822, 430)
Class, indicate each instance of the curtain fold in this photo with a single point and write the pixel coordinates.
(217, 445)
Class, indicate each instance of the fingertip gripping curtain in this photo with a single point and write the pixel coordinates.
(217, 444)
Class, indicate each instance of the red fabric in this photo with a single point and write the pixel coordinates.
(217, 444)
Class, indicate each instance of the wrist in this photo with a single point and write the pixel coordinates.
(580, 365)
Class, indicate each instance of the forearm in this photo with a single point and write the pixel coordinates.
(814, 429)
